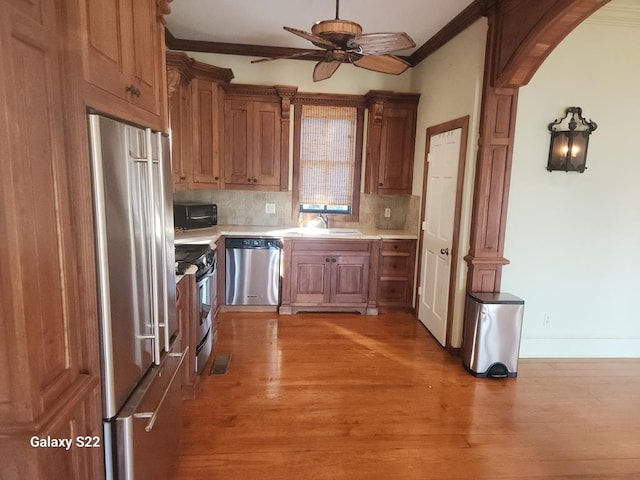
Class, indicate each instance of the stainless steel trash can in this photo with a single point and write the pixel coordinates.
(491, 336)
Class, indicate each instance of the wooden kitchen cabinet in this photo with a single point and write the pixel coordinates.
(123, 58)
(256, 137)
(390, 142)
(195, 112)
(50, 375)
(328, 275)
(396, 271)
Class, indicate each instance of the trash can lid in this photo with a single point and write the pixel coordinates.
(496, 297)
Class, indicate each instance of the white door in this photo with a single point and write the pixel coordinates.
(437, 245)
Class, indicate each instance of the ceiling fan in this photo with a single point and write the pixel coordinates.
(344, 42)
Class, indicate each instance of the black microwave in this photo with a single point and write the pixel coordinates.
(195, 215)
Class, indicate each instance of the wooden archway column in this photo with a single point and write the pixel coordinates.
(521, 35)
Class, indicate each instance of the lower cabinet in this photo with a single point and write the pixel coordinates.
(327, 275)
(396, 271)
(186, 310)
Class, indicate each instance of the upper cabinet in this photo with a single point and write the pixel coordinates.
(390, 142)
(123, 58)
(195, 117)
(256, 137)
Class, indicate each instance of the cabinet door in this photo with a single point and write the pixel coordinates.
(144, 51)
(350, 279)
(395, 172)
(106, 46)
(206, 139)
(310, 279)
(181, 135)
(266, 143)
(236, 143)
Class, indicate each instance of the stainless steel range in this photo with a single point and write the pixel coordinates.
(204, 258)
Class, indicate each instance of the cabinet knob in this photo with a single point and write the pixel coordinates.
(255, 180)
(327, 259)
(394, 266)
(133, 90)
(183, 178)
(333, 260)
(215, 178)
(381, 184)
(249, 180)
(395, 247)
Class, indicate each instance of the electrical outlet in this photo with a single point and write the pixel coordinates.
(546, 320)
(387, 212)
(270, 208)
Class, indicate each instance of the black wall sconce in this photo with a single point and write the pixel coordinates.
(569, 142)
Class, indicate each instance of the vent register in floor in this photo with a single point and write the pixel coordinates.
(220, 364)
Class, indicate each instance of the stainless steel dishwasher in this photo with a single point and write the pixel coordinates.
(252, 271)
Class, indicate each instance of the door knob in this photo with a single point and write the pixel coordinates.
(444, 251)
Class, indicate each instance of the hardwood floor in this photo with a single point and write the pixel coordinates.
(361, 397)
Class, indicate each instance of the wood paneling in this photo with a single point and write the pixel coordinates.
(50, 364)
(528, 31)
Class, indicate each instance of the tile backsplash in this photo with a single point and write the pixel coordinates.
(240, 207)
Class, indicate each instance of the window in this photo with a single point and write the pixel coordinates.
(327, 158)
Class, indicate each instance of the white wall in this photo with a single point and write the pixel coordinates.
(450, 83)
(573, 239)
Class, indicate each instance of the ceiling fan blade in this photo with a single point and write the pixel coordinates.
(324, 70)
(379, 43)
(382, 64)
(315, 39)
(294, 55)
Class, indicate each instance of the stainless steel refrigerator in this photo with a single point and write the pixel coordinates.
(140, 355)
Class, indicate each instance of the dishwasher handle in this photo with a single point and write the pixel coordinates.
(253, 244)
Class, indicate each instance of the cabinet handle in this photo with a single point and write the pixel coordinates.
(183, 178)
(133, 90)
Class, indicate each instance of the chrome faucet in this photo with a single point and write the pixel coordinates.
(324, 219)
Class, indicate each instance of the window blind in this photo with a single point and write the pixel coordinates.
(327, 155)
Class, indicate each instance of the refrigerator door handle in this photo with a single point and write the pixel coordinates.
(154, 253)
(153, 415)
(163, 195)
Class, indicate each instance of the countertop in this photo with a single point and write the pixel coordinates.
(211, 234)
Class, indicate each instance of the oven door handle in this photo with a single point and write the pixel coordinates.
(205, 311)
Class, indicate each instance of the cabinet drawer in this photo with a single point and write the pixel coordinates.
(395, 265)
(392, 291)
(329, 247)
(397, 246)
